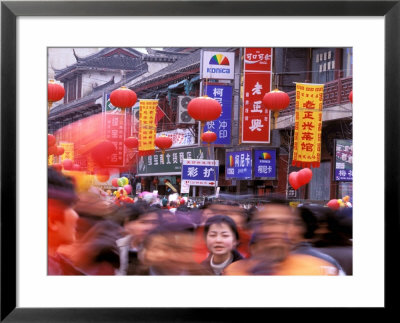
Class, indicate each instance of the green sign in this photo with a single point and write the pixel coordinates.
(170, 163)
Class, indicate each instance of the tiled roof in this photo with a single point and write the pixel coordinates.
(109, 58)
(190, 61)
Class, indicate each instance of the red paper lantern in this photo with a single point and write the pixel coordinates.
(68, 164)
(55, 91)
(351, 96)
(131, 142)
(204, 109)
(59, 151)
(209, 136)
(163, 142)
(304, 176)
(52, 150)
(102, 151)
(123, 98)
(276, 100)
(51, 140)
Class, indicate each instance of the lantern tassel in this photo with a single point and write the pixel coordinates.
(276, 115)
(49, 104)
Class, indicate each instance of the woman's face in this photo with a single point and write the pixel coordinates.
(220, 239)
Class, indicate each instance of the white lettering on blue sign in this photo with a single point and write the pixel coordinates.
(192, 171)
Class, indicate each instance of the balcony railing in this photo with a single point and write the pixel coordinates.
(335, 93)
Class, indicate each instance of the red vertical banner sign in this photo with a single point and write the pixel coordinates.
(257, 82)
(115, 132)
(308, 125)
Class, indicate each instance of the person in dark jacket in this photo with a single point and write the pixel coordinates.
(222, 238)
(302, 234)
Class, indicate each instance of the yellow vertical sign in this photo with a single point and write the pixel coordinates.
(147, 126)
(308, 125)
(68, 150)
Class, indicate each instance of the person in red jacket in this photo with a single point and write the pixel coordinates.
(61, 223)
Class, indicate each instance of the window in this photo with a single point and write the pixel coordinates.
(347, 62)
(323, 65)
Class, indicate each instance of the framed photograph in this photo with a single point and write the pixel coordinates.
(29, 28)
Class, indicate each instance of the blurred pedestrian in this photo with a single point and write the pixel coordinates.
(271, 246)
(140, 220)
(168, 250)
(302, 233)
(61, 223)
(337, 241)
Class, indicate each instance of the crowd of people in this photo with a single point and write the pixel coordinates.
(88, 234)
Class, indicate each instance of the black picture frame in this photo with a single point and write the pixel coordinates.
(10, 10)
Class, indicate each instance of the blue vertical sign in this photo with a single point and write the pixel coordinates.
(265, 163)
(222, 126)
(238, 164)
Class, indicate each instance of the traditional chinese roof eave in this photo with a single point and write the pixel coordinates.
(165, 80)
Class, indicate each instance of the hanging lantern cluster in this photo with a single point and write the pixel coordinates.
(52, 148)
(163, 142)
(123, 98)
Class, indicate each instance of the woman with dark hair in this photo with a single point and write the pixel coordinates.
(222, 239)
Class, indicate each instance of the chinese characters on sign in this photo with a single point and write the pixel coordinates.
(308, 125)
(147, 127)
(222, 125)
(68, 150)
(344, 160)
(180, 137)
(238, 165)
(170, 163)
(115, 131)
(265, 163)
(197, 172)
(257, 82)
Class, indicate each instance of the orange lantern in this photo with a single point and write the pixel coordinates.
(102, 175)
(351, 96)
(131, 142)
(163, 142)
(123, 98)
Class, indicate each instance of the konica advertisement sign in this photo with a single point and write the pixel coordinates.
(217, 65)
